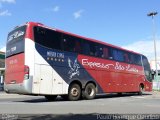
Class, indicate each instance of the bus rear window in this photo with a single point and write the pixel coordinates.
(15, 41)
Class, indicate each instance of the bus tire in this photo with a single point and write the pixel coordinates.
(51, 97)
(141, 90)
(89, 91)
(74, 92)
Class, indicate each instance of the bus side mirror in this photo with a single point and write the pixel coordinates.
(153, 74)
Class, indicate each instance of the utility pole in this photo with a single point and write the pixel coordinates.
(152, 14)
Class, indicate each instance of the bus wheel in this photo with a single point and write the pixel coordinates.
(74, 92)
(89, 91)
(50, 97)
(141, 89)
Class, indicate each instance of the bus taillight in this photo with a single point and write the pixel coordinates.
(26, 72)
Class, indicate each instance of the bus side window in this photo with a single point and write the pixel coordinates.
(126, 58)
(68, 43)
(118, 55)
(105, 53)
(86, 48)
(65, 48)
(47, 38)
(138, 60)
(132, 59)
(99, 51)
(135, 59)
(147, 69)
(41, 31)
(78, 47)
(92, 49)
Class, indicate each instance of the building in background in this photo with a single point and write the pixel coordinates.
(2, 69)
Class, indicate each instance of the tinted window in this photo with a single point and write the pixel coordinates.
(17, 34)
(48, 38)
(127, 58)
(137, 60)
(107, 52)
(147, 69)
(78, 45)
(118, 55)
(86, 48)
(55, 40)
(15, 41)
(99, 50)
(71, 44)
(93, 49)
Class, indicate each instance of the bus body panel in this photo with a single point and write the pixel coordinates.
(14, 80)
(113, 76)
(148, 85)
(65, 67)
(51, 71)
(46, 75)
(15, 69)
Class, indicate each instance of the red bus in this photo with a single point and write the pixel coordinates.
(46, 61)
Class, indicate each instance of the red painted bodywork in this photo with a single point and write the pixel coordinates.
(114, 76)
(15, 69)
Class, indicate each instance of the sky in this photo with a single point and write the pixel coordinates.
(119, 22)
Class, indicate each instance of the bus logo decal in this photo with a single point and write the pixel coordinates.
(117, 66)
(74, 68)
(15, 35)
(86, 62)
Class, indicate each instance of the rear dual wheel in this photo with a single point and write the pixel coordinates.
(75, 92)
(89, 91)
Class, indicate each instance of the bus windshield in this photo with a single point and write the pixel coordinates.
(15, 41)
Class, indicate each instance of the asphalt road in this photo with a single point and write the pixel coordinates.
(12, 104)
